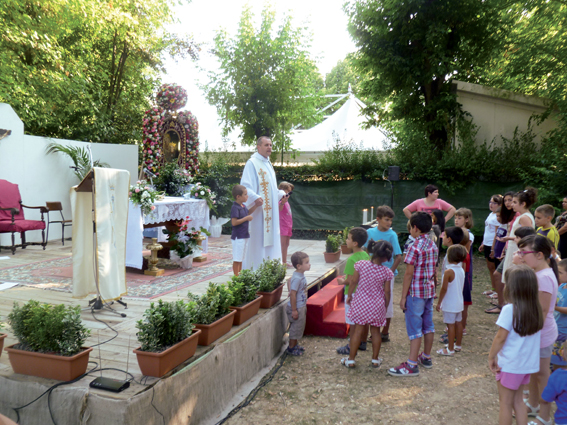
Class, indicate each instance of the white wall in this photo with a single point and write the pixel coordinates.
(498, 112)
(44, 178)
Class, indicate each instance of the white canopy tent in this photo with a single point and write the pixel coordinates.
(345, 126)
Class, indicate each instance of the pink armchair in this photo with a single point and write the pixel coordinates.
(12, 218)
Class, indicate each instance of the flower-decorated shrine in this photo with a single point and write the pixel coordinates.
(170, 136)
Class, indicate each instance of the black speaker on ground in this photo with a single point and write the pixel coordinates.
(393, 173)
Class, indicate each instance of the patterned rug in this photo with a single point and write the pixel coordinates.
(57, 275)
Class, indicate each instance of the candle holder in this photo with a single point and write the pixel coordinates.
(364, 216)
(152, 263)
(203, 257)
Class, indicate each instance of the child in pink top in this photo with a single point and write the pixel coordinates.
(286, 221)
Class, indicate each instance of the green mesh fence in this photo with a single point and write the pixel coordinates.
(335, 205)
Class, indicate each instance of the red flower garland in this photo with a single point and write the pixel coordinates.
(151, 151)
(191, 125)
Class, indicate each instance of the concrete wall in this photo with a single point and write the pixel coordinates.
(42, 177)
(498, 112)
(189, 397)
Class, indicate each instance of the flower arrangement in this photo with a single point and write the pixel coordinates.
(200, 191)
(191, 126)
(171, 97)
(141, 194)
(151, 144)
(185, 241)
(173, 179)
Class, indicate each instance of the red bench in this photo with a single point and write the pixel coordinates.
(326, 312)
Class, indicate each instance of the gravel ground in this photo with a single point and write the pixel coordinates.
(317, 389)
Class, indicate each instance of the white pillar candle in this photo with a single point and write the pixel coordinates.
(364, 215)
(371, 213)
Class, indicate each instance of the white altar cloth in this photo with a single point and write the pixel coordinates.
(170, 209)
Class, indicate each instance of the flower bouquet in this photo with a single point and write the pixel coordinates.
(186, 241)
(200, 191)
(173, 180)
(141, 194)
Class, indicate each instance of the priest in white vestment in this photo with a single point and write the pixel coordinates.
(260, 181)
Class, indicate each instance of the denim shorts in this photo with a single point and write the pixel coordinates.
(419, 316)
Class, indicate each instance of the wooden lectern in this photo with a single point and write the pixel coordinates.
(100, 218)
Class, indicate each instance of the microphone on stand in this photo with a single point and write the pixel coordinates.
(150, 175)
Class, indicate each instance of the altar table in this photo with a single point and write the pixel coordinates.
(167, 211)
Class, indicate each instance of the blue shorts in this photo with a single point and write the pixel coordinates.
(419, 316)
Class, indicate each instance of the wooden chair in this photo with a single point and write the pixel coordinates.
(12, 218)
(56, 206)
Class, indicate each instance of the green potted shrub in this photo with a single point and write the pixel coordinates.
(166, 336)
(332, 252)
(344, 237)
(270, 278)
(50, 341)
(210, 312)
(2, 336)
(246, 302)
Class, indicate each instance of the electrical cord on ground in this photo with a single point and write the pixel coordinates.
(263, 382)
(110, 327)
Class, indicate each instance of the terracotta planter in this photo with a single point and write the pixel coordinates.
(158, 364)
(2, 336)
(49, 366)
(210, 333)
(246, 311)
(271, 298)
(345, 249)
(332, 257)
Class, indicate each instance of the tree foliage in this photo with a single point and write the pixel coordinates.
(266, 83)
(411, 51)
(84, 69)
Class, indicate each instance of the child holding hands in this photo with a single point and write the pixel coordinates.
(240, 216)
(451, 299)
(514, 354)
(372, 282)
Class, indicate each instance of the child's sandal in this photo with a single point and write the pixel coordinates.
(457, 348)
(533, 411)
(345, 361)
(544, 422)
(377, 363)
(445, 352)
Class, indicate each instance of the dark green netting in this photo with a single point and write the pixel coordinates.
(335, 205)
